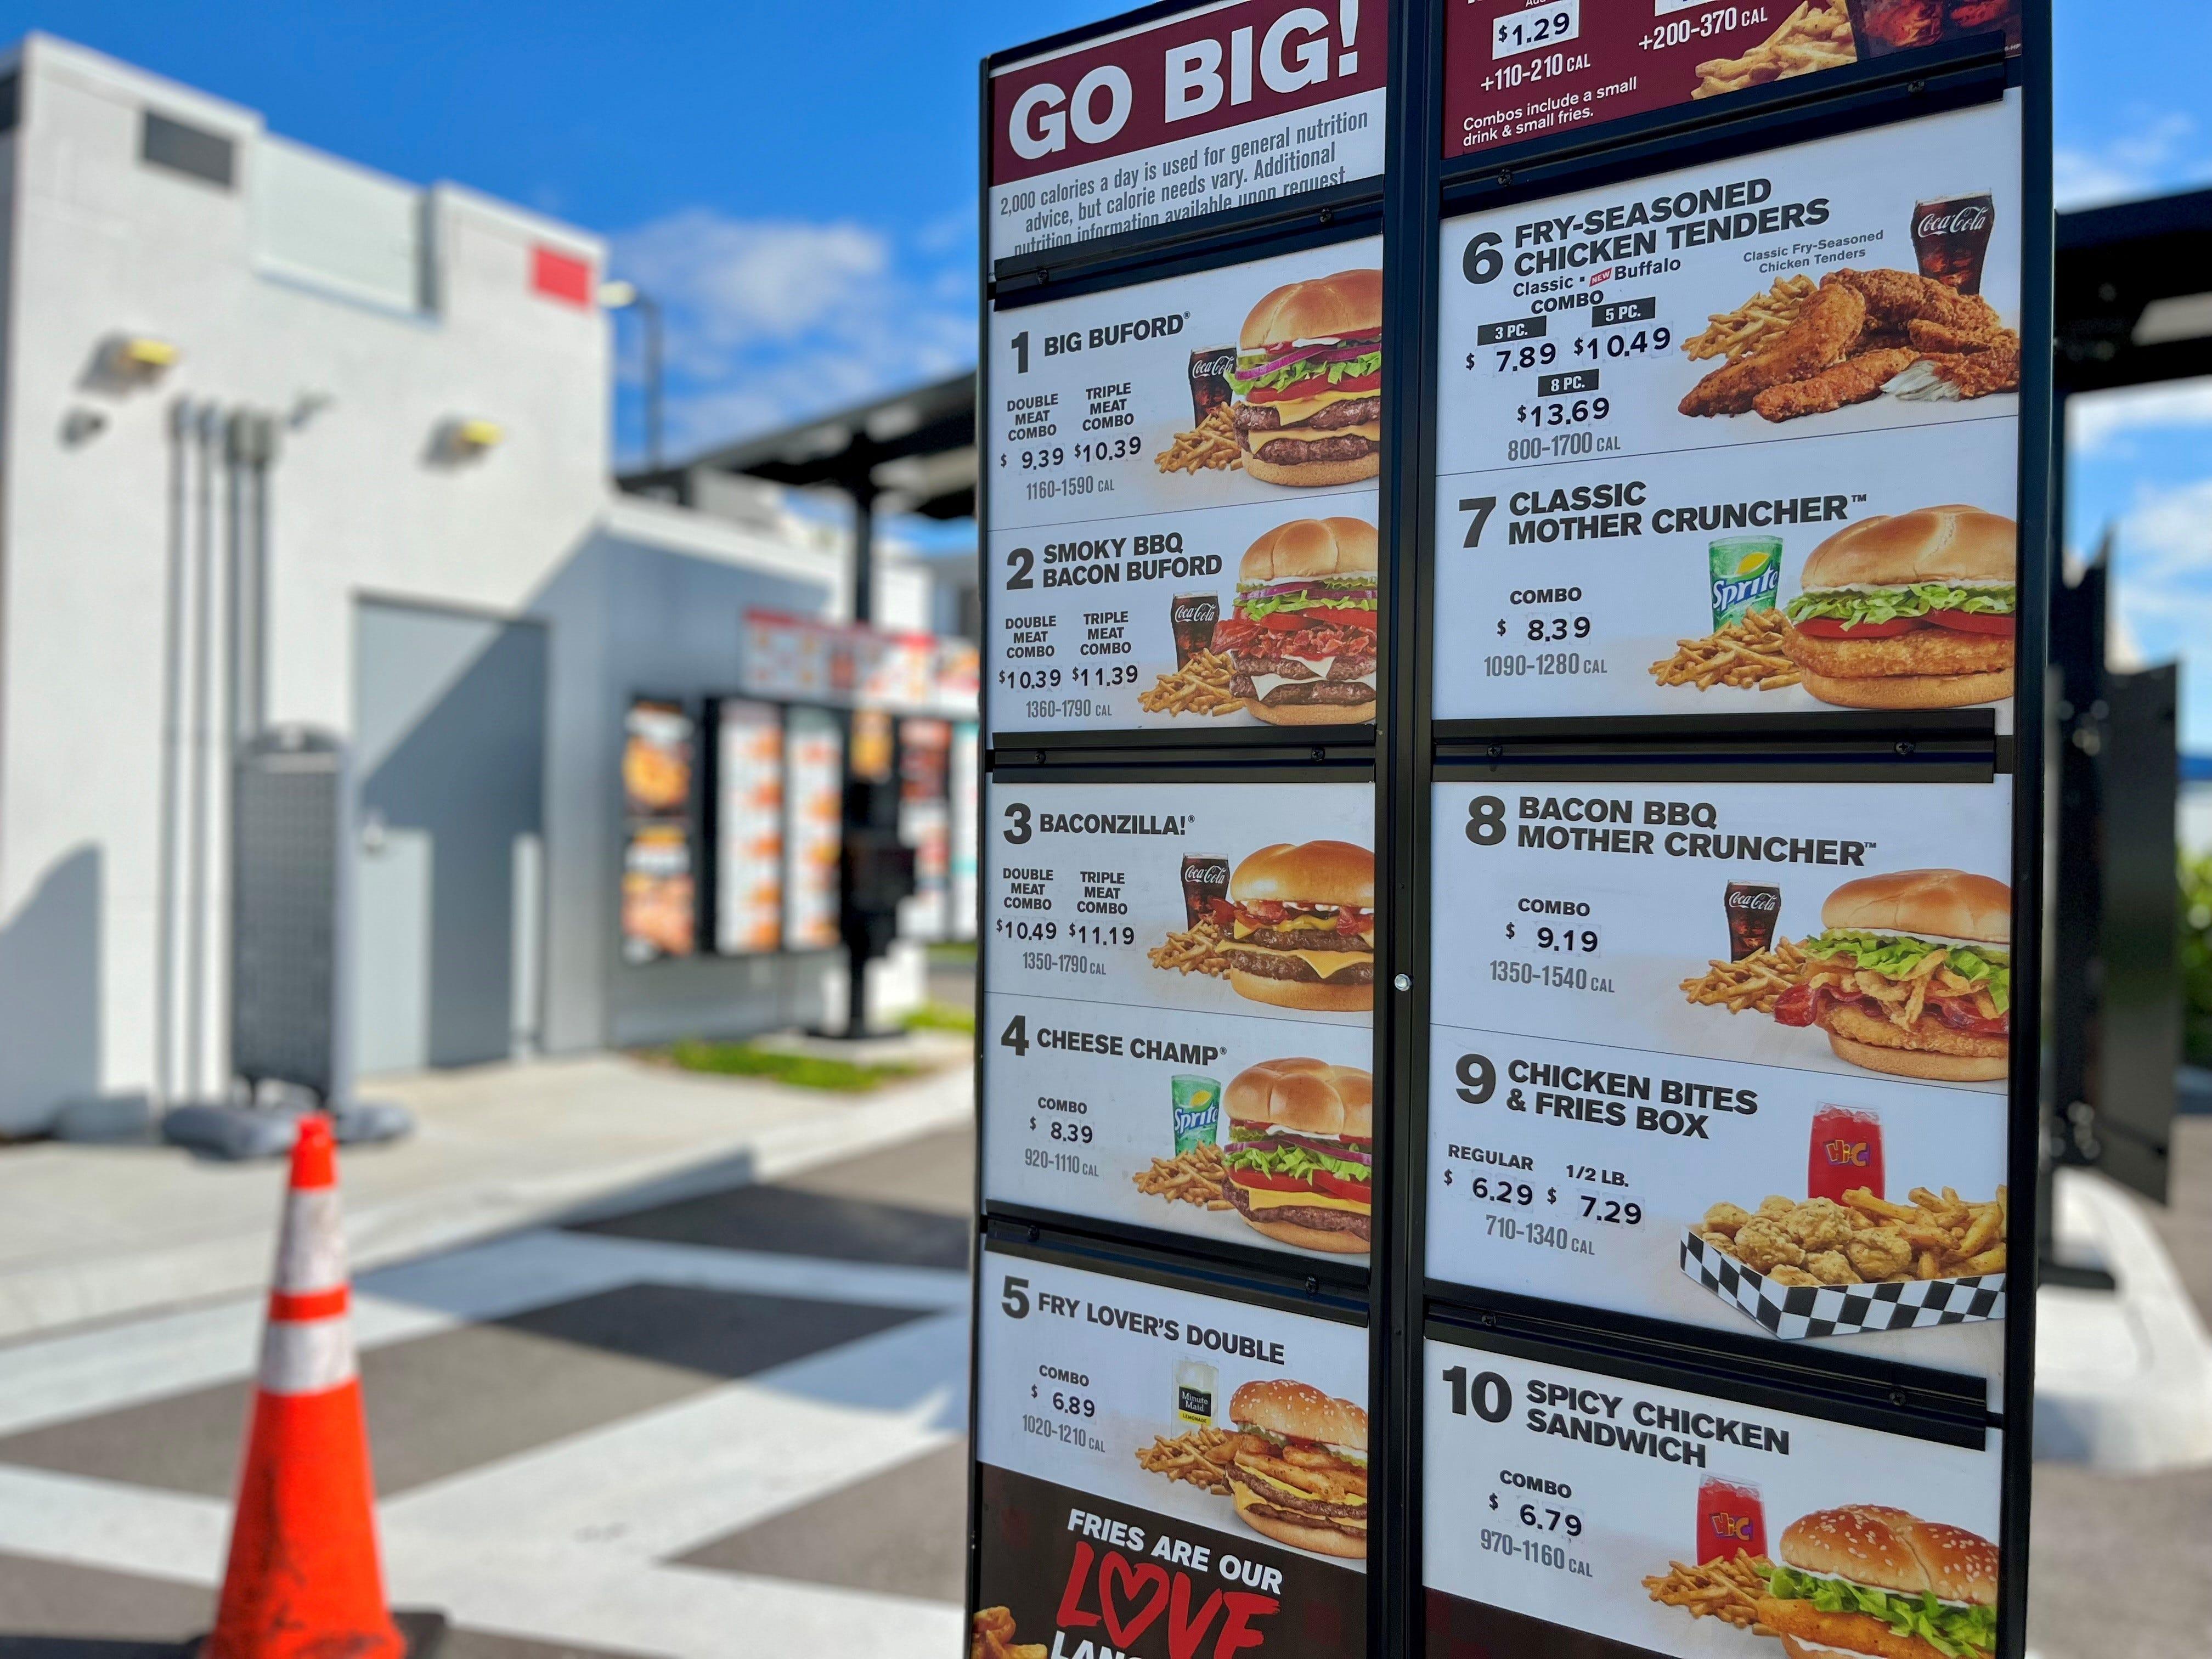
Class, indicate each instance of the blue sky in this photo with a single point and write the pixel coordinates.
(798, 182)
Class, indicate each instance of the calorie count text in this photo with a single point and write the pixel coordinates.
(1722, 20)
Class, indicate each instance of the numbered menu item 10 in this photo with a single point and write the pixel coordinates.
(1754, 1200)
(1874, 571)
(1163, 1471)
(1112, 405)
(1596, 912)
(1843, 285)
(1563, 1499)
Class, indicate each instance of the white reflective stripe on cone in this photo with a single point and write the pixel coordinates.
(311, 1253)
(308, 1356)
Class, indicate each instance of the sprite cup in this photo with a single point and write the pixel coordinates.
(1197, 1112)
(1746, 576)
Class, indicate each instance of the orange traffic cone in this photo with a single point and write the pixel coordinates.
(303, 1581)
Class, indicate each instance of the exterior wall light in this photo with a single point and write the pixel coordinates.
(468, 438)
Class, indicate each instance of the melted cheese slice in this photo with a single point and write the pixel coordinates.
(1261, 1200)
(1305, 408)
(1323, 962)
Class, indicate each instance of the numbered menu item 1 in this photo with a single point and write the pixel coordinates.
(1864, 1212)
(1661, 1521)
(1611, 913)
(1179, 1009)
(1872, 571)
(1164, 1471)
(1843, 285)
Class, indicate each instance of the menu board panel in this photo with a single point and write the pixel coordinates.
(1179, 1005)
(1558, 1500)
(813, 770)
(1130, 1498)
(1842, 929)
(1521, 69)
(1219, 106)
(1683, 462)
(748, 827)
(659, 886)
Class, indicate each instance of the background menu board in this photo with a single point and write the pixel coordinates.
(1160, 451)
(1564, 1497)
(1126, 1496)
(814, 763)
(748, 827)
(1682, 456)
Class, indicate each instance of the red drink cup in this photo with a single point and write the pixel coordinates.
(1845, 1153)
(1731, 1521)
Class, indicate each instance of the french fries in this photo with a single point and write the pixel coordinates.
(1200, 1176)
(1200, 1457)
(1865, 1240)
(1815, 36)
(1745, 654)
(1209, 446)
(1200, 686)
(1197, 951)
(1756, 982)
(1728, 1590)
(1754, 324)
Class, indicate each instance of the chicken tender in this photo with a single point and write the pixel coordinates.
(1940, 336)
(1879, 1253)
(1832, 1268)
(1823, 333)
(1764, 1246)
(1926, 651)
(1851, 381)
(1725, 1219)
(1819, 1224)
(1943, 374)
(1787, 1274)
(1894, 298)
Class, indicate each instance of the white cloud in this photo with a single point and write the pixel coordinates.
(2095, 421)
(771, 321)
(2157, 156)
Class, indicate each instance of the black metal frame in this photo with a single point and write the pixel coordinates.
(1409, 753)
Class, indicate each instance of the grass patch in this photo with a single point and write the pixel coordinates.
(942, 1016)
(801, 1071)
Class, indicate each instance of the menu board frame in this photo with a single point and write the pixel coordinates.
(1409, 749)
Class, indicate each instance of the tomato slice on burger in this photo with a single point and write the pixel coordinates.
(1971, 622)
(1832, 628)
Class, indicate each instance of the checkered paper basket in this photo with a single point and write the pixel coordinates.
(1800, 1310)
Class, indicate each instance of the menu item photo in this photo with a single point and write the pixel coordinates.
(1309, 382)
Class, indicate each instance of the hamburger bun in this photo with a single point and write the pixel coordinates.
(1312, 474)
(1318, 995)
(1950, 903)
(1950, 544)
(1907, 690)
(1311, 546)
(1924, 1062)
(1313, 713)
(1299, 1411)
(1882, 1548)
(1330, 1241)
(1306, 1096)
(1307, 873)
(1322, 1540)
(1319, 308)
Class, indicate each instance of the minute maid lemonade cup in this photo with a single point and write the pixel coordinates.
(1197, 1112)
(1746, 573)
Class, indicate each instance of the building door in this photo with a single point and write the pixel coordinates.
(449, 717)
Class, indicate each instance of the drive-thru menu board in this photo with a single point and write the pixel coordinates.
(1166, 1472)
(1563, 1499)
(1685, 463)
(1729, 1054)
(1220, 107)
(1182, 500)
(1179, 1007)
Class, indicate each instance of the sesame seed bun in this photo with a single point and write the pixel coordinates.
(1299, 1411)
(1307, 873)
(1893, 1549)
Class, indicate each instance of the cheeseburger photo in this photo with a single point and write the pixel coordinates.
(1299, 1475)
(1912, 976)
(1913, 611)
(1301, 1153)
(1868, 1580)
(1308, 384)
(1302, 632)
(1302, 926)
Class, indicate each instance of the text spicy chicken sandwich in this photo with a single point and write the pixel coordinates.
(1913, 611)
(1913, 976)
(1299, 1474)
(1308, 384)
(1302, 632)
(1301, 925)
(1301, 1153)
(1866, 1579)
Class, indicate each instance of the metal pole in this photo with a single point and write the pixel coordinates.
(651, 309)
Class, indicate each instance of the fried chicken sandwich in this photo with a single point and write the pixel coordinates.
(1300, 1472)
(1869, 1580)
(1909, 610)
(1912, 976)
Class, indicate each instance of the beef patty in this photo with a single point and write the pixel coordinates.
(1266, 417)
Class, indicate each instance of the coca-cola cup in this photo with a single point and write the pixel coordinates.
(1951, 238)
(1205, 880)
(1209, 380)
(1194, 618)
(1752, 910)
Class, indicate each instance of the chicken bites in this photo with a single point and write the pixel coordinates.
(1763, 1245)
(1880, 1252)
(1819, 1224)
